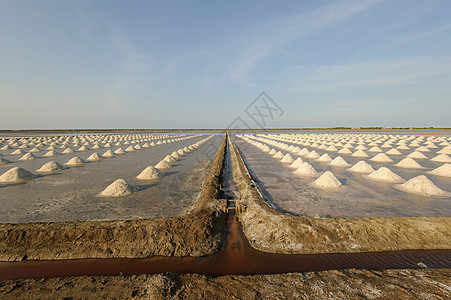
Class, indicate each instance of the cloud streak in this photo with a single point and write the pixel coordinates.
(260, 41)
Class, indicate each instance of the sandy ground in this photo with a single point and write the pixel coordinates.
(70, 195)
(358, 197)
(340, 284)
(270, 230)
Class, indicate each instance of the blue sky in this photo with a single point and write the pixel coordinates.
(199, 64)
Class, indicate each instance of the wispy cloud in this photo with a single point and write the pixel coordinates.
(422, 34)
(420, 71)
(261, 40)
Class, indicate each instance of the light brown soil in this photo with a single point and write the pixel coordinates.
(270, 230)
(340, 284)
(198, 233)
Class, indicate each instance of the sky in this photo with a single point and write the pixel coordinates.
(204, 64)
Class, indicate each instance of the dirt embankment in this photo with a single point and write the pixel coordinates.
(198, 233)
(343, 284)
(273, 231)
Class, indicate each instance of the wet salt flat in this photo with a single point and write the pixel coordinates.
(72, 193)
(358, 194)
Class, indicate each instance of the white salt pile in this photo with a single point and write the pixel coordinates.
(384, 174)
(94, 157)
(304, 152)
(325, 158)
(51, 153)
(345, 151)
(297, 163)
(68, 151)
(361, 167)
(130, 149)
(409, 163)
(108, 153)
(287, 159)
(375, 149)
(16, 174)
(34, 150)
(119, 188)
(327, 180)
(170, 159)
(6, 147)
(359, 153)
(181, 152)
(119, 151)
(381, 157)
(313, 154)
(306, 169)
(421, 185)
(278, 155)
(441, 158)
(18, 152)
(28, 156)
(416, 154)
(51, 166)
(394, 152)
(150, 173)
(175, 155)
(163, 165)
(444, 170)
(75, 161)
(83, 148)
(339, 162)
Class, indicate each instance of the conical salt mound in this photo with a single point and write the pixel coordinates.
(393, 152)
(108, 153)
(181, 152)
(344, 151)
(287, 159)
(297, 163)
(306, 169)
(327, 181)
(163, 165)
(444, 170)
(4, 161)
(170, 159)
(416, 154)
(339, 162)
(359, 153)
(278, 155)
(325, 158)
(18, 152)
(75, 161)
(34, 150)
(175, 155)
(94, 157)
(409, 163)
(441, 158)
(304, 152)
(6, 147)
(51, 153)
(146, 145)
(361, 167)
(272, 152)
(313, 154)
(16, 174)
(119, 151)
(150, 173)
(28, 156)
(68, 151)
(130, 149)
(384, 174)
(51, 166)
(381, 157)
(119, 188)
(83, 148)
(421, 185)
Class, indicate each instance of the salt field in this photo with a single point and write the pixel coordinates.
(66, 178)
(352, 175)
